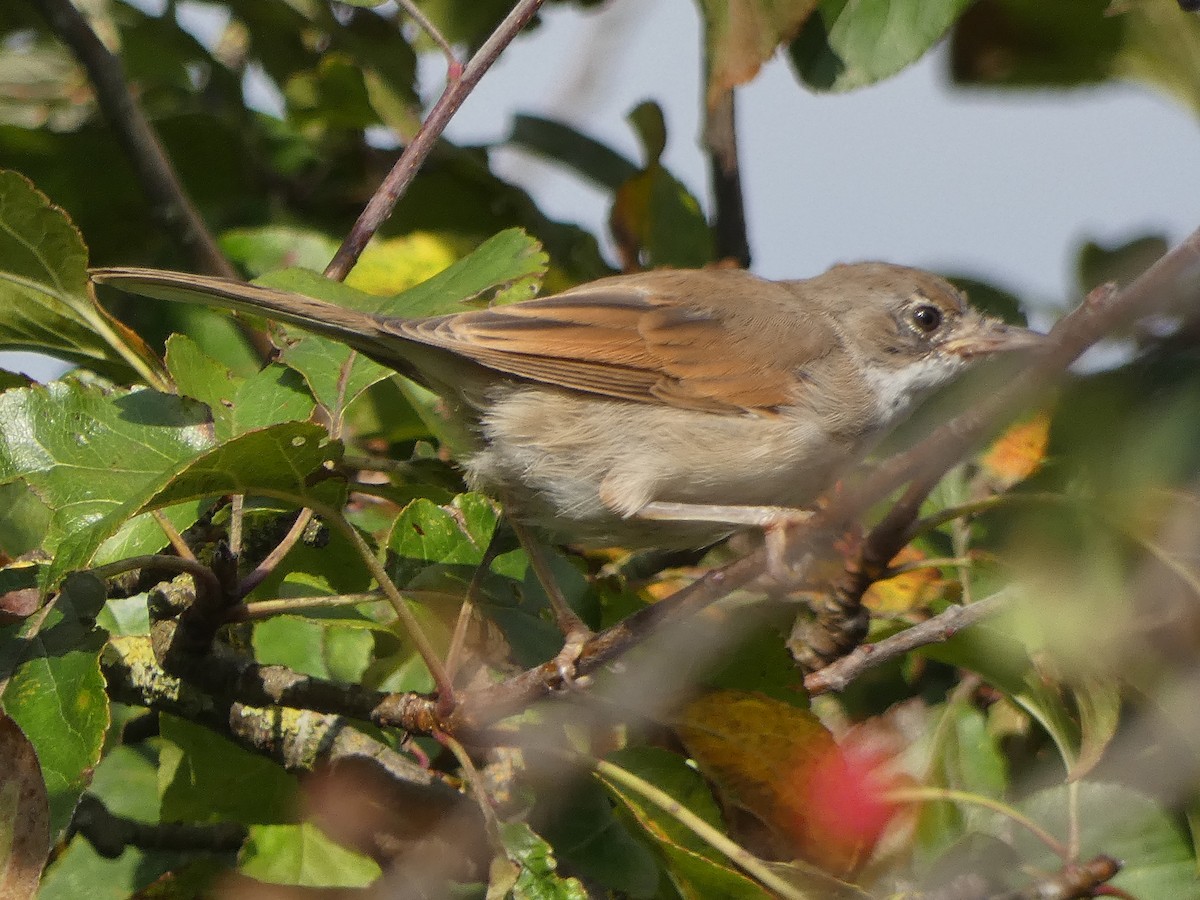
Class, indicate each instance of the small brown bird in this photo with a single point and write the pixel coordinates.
(665, 408)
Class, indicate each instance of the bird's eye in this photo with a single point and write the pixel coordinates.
(927, 318)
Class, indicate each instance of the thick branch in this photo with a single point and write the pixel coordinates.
(405, 170)
(241, 701)
(168, 200)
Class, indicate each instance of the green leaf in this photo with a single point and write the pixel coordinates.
(560, 143)
(590, 840)
(505, 268)
(143, 534)
(1027, 43)
(426, 533)
(537, 878)
(1116, 821)
(85, 451)
(439, 548)
(45, 305)
(126, 782)
(303, 855)
(989, 650)
(261, 250)
(651, 127)
(669, 772)
(332, 95)
(695, 868)
(1121, 263)
(56, 693)
(314, 648)
(24, 518)
(274, 394)
(273, 462)
(849, 44)
(959, 754)
(658, 222)
(203, 777)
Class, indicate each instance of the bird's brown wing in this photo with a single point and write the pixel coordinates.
(722, 341)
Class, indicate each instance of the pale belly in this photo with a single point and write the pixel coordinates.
(580, 468)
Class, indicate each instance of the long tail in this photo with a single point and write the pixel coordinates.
(360, 330)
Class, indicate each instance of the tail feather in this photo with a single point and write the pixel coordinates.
(360, 330)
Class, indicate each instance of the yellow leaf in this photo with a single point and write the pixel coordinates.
(391, 265)
(1018, 453)
(910, 590)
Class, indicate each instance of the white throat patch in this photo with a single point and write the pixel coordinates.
(897, 389)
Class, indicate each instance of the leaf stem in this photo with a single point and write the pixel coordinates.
(278, 552)
(922, 794)
(739, 855)
(453, 66)
(159, 561)
(409, 622)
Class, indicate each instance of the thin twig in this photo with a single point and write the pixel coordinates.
(109, 834)
(837, 676)
(237, 507)
(265, 609)
(466, 612)
(192, 567)
(169, 200)
(173, 536)
(453, 66)
(278, 552)
(397, 181)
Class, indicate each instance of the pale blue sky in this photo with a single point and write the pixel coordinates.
(1003, 185)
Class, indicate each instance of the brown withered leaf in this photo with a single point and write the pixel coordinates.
(778, 763)
(741, 35)
(24, 815)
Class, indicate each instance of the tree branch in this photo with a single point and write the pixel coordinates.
(729, 213)
(838, 675)
(405, 170)
(241, 700)
(169, 202)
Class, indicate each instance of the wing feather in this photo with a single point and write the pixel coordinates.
(720, 340)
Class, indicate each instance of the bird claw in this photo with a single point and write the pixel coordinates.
(775, 539)
(566, 661)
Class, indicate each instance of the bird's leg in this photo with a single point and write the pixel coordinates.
(575, 632)
(773, 520)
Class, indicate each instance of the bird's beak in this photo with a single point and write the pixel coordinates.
(990, 336)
